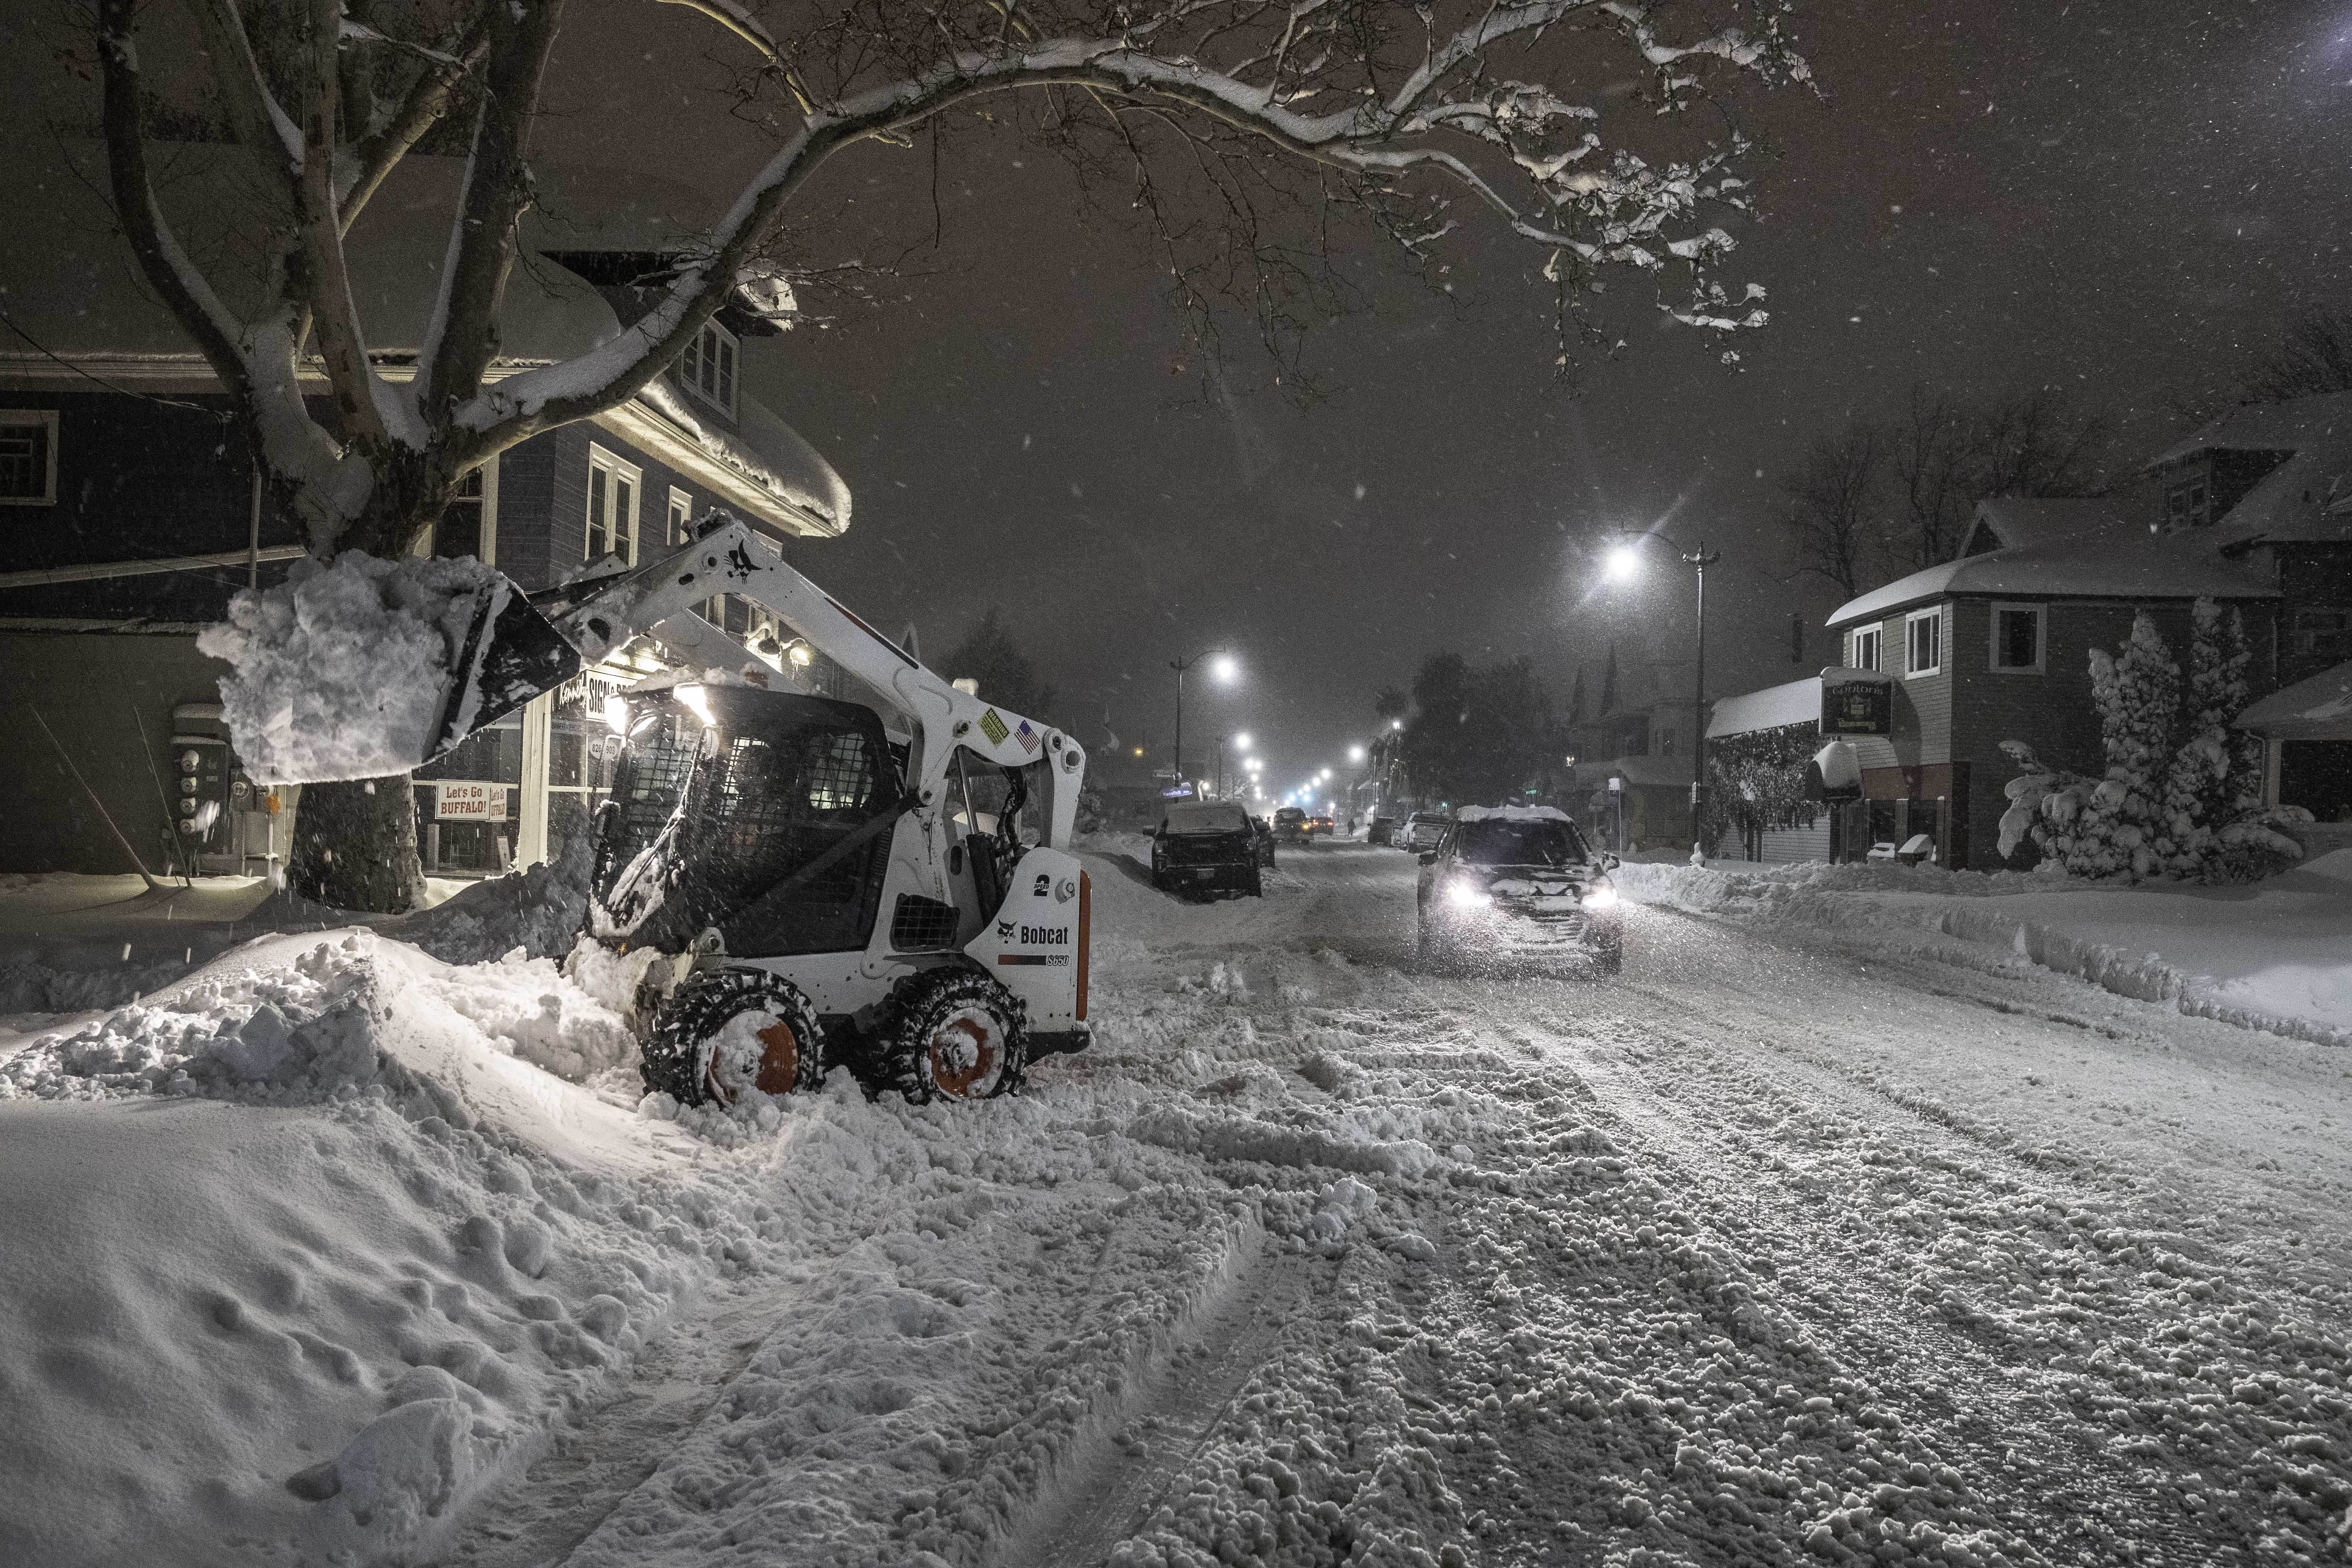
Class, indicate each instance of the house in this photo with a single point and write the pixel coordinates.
(1994, 646)
(2307, 733)
(2268, 486)
(131, 514)
(1631, 781)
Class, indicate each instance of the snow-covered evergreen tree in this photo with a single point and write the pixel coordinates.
(2182, 791)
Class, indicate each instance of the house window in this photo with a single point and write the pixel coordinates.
(2017, 639)
(681, 518)
(707, 369)
(2320, 634)
(2185, 503)
(458, 530)
(1923, 636)
(1865, 654)
(28, 457)
(612, 506)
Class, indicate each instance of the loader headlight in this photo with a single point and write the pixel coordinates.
(1600, 895)
(697, 702)
(616, 713)
(1464, 893)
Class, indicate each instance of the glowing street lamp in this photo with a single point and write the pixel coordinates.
(1622, 563)
(1223, 669)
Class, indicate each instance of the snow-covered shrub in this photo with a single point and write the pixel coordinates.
(1759, 777)
(2181, 796)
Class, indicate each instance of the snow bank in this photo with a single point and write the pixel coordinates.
(341, 671)
(2273, 956)
(301, 1253)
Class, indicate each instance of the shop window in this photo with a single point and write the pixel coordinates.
(612, 506)
(1864, 654)
(1923, 633)
(2018, 640)
(28, 457)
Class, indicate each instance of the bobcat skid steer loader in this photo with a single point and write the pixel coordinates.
(881, 881)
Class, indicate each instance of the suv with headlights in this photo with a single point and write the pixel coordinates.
(1519, 882)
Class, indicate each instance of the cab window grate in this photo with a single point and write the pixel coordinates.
(921, 925)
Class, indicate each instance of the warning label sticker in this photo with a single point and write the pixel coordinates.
(993, 728)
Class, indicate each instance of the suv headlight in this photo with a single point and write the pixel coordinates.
(1464, 893)
(1600, 895)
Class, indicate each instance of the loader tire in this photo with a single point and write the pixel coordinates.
(953, 1034)
(687, 1058)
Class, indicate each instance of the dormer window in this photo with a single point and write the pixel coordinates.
(707, 369)
(2188, 503)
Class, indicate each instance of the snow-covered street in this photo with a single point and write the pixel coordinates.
(1774, 1250)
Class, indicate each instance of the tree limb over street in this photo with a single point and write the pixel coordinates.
(1398, 110)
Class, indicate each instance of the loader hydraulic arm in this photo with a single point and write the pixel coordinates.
(658, 599)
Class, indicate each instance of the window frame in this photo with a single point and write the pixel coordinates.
(2041, 613)
(2302, 640)
(714, 356)
(45, 419)
(613, 468)
(1876, 633)
(678, 516)
(1912, 669)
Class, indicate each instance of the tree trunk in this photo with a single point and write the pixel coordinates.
(355, 847)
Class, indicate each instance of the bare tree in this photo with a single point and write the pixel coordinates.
(2314, 356)
(2034, 444)
(1929, 452)
(1834, 499)
(1947, 454)
(1388, 112)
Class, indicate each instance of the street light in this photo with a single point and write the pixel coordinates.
(1223, 671)
(1355, 753)
(1623, 563)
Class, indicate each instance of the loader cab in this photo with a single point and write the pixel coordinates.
(763, 814)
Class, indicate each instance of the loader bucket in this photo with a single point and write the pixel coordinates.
(510, 654)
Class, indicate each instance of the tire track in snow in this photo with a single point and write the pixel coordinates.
(1169, 1410)
(1990, 1400)
(560, 1500)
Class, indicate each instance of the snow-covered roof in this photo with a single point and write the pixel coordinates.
(1774, 708)
(2004, 521)
(73, 289)
(2308, 497)
(2096, 566)
(2319, 708)
(2290, 424)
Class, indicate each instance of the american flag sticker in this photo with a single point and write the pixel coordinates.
(1028, 738)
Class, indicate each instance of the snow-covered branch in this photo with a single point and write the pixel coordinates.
(1387, 110)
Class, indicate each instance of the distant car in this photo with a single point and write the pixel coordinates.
(1290, 825)
(1381, 831)
(1518, 883)
(1420, 832)
(1322, 825)
(1205, 851)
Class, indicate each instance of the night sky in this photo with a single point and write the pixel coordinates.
(2122, 198)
